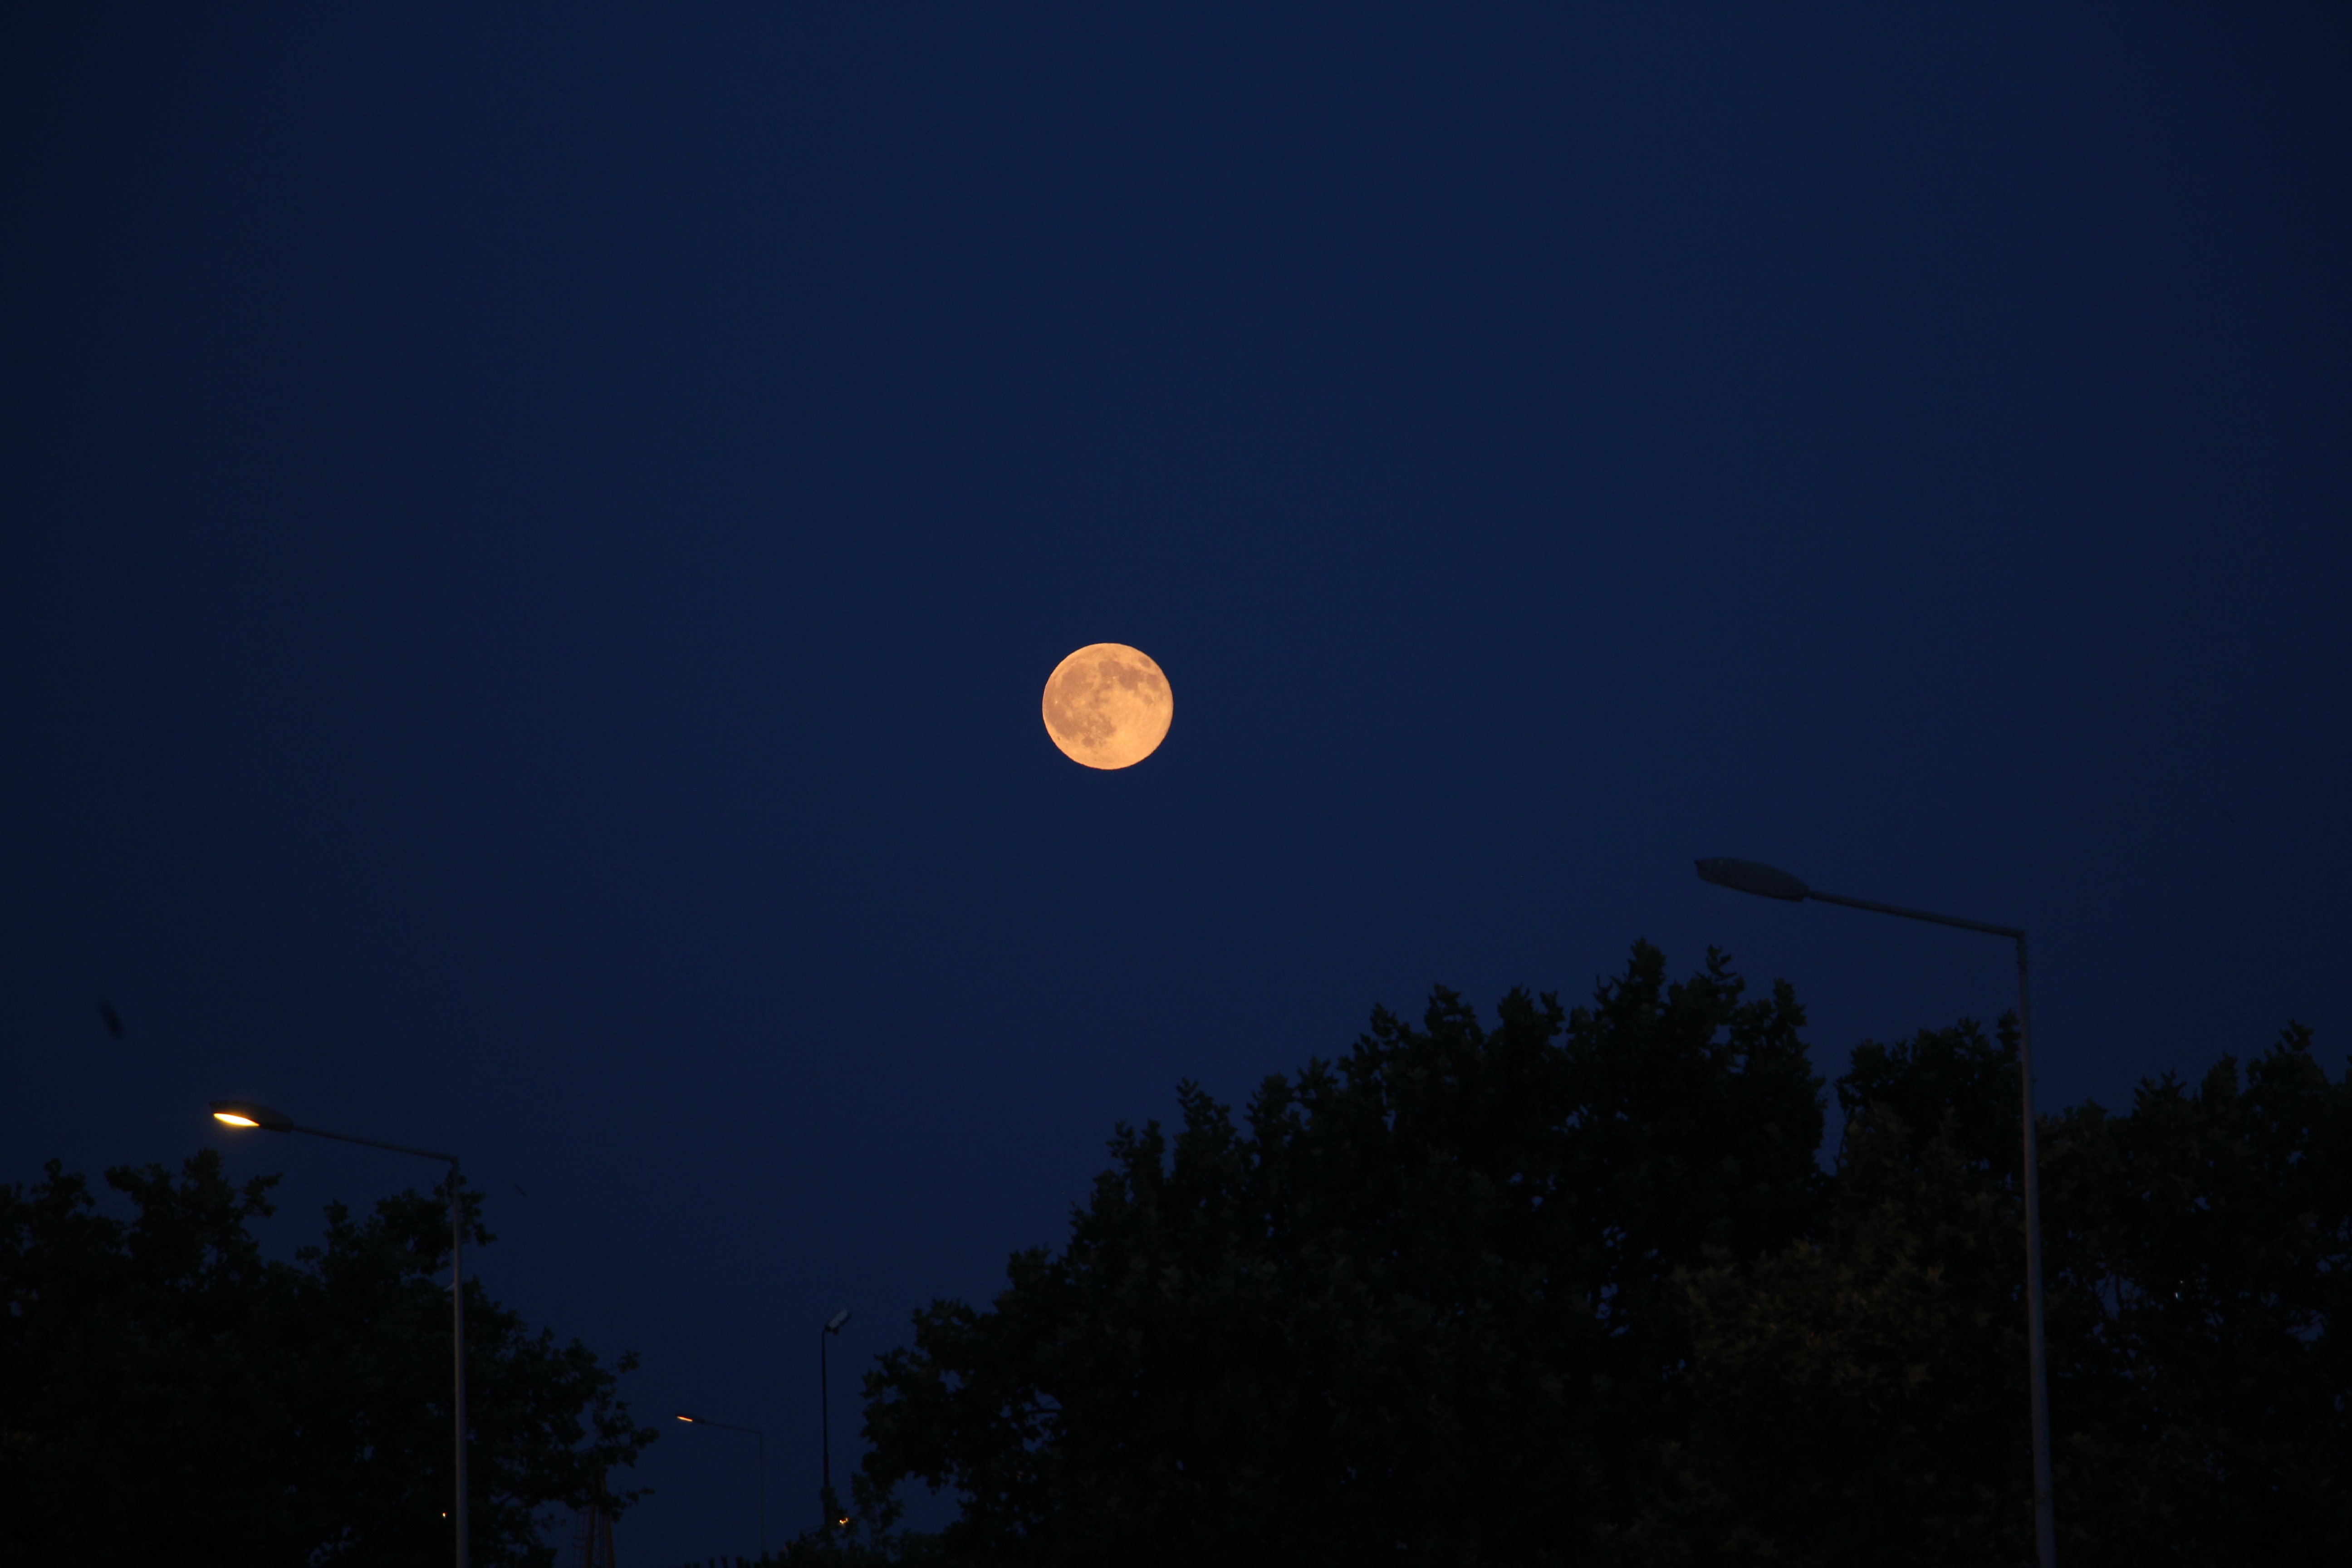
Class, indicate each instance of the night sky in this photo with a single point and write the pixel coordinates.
(533, 541)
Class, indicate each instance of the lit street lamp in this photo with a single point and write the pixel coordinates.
(832, 1326)
(245, 1113)
(762, 1437)
(1767, 881)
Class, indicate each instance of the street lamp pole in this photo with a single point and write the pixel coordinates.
(245, 1113)
(832, 1326)
(1767, 881)
(762, 1437)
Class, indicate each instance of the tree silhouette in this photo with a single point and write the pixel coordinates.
(168, 1396)
(1576, 1288)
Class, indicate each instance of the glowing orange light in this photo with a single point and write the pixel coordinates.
(234, 1120)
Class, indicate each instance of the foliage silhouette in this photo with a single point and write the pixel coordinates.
(169, 1395)
(1576, 1288)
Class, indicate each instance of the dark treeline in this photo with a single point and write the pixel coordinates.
(1577, 1289)
(1573, 1288)
(168, 1396)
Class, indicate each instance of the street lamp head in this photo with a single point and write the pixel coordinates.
(683, 1417)
(246, 1113)
(833, 1324)
(1753, 877)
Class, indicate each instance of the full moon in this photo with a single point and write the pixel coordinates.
(1107, 706)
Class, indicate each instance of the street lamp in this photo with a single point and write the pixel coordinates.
(1770, 883)
(246, 1113)
(832, 1326)
(762, 1437)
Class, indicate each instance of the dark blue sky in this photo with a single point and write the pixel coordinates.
(532, 544)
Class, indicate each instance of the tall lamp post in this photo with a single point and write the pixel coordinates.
(246, 1113)
(1769, 882)
(832, 1326)
(762, 1437)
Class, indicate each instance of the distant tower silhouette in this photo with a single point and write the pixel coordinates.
(592, 1536)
